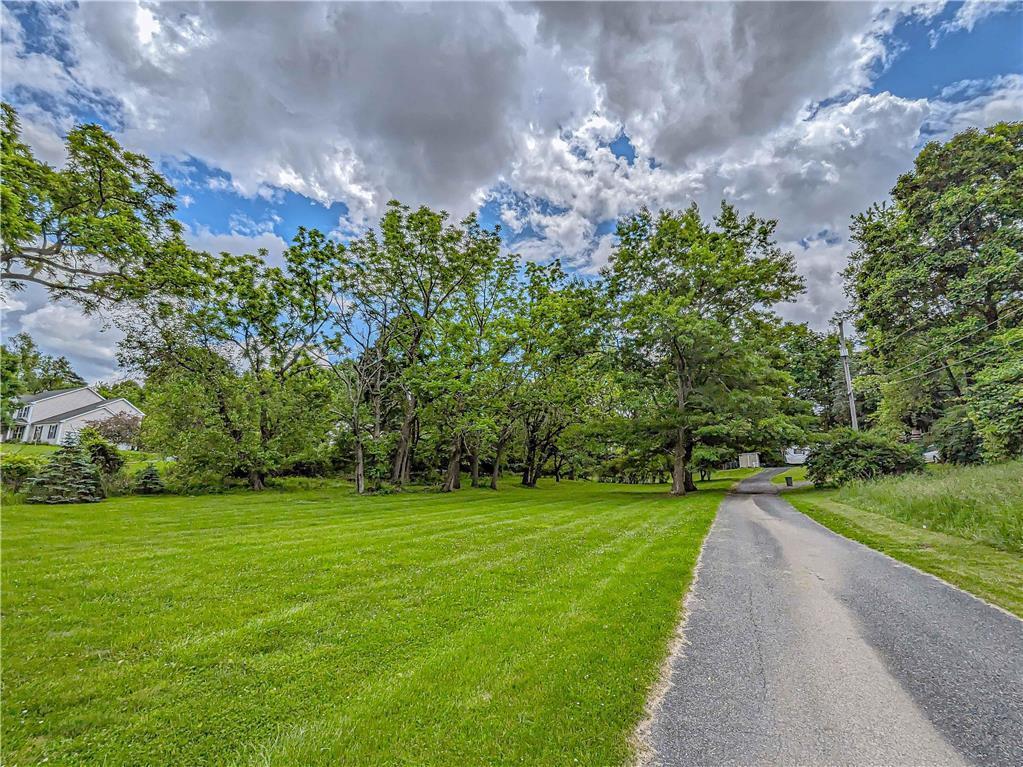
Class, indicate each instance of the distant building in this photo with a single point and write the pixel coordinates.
(49, 416)
(796, 455)
(749, 460)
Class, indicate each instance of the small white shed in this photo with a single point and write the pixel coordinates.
(749, 460)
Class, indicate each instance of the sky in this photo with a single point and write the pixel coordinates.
(550, 119)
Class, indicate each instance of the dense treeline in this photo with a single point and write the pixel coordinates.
(422, 351)
(937, 290)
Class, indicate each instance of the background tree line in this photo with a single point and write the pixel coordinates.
(422, 350)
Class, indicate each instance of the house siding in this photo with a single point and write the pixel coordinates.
(62, 403)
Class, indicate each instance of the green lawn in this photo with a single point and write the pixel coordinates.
(963, 525)
(24, 448)
(313, 627)
(798, 474)
(135, 460)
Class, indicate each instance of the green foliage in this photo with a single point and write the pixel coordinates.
(148, 481)
(105, 456)
(812, 359)
(69, 476)
(26, 370)
(956, 437)
(16, 470)
(100, 228)
(938, 274)
(846, 455)
(232, 386)
(995, 399)
(694, 329)
(11, 386)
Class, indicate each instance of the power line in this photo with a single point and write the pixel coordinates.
(915, 261)
(950, 343)
(957, 362)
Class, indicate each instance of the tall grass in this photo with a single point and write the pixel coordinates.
(979, 503)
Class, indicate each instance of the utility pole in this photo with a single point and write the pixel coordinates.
(843, 352)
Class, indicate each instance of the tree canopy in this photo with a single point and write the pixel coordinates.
(101, 228)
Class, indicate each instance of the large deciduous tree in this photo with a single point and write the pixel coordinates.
(234, 386)
(101, 228)
(693, 301)
(937, 277)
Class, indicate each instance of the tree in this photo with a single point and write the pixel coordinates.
(939, 272)
(235, 388)
(37, 371)
(560, 356)
(99, 229)
(473, 345)
(693, 305)
(994, 401)
(355, 342)
(11, 387)
(422, 263)
(813, 361)
(149, 482)
(68, 477)
(126, 388)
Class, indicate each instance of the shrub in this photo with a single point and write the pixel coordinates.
(957, 438)
(16, 470)
(846, 455)
(148, 481)
(120, 429)
(68, 477)
(105, 456)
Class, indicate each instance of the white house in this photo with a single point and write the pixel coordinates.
(795, 455)
(49, 416)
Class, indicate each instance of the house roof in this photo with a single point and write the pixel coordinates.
(27, 399)
(58, 417)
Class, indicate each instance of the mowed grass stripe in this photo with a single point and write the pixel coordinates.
(269, 531)
(222, 655)
(475, 551)
(486, 657)
(431, 640)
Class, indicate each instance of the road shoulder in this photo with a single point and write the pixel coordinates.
(994, 576)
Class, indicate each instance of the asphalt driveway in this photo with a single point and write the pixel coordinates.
(802, 647)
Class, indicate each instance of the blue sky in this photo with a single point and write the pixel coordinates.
(549, 120)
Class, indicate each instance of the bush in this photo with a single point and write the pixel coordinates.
(957, 438)
(148, 481)
(846, 455)
(102, 453)
(120, 429)
(16, 470)
(68, 477)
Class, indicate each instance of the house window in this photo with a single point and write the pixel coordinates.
(37, 433)
(18, 434)
(22, 412)
(51, 433)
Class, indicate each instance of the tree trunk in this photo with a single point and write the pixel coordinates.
(360, 468)
(401, 470)
(453, 479)
(257, 480)
(690, 485)
(528, 480)
(678, 469)
(496, 471)
(474, 465)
